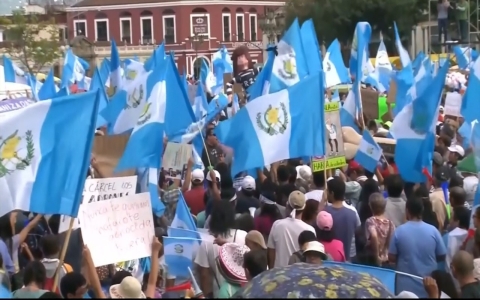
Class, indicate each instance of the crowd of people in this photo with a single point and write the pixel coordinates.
(287, 215)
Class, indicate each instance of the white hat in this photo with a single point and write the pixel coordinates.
(457, 149)
(315, 247)
(406, 295)
(248, 183)
(130, 287)
(198, 175)
(217, 176)
(440, 108)
(304, 172)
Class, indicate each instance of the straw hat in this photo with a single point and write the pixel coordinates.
(130, 287)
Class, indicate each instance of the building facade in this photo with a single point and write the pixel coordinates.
(193, 29)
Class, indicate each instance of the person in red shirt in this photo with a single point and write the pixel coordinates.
(194, 196)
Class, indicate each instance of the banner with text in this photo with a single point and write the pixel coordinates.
(118, 229)
(175, 160)
(101, 189)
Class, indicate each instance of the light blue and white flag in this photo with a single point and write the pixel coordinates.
(132, 69)
(335, 71)
(183, 233)
(368, 153)
(261, 86)
(34, 152)
(49, 89)
(336, 96)
(383, 68)
(178, 254)
(98, 84)
(465, 57)
(414, 130)
(470, 105)
(277, 126)
(359, 60)
(12, 72)
(200, 104)
(74, 69)
(115, 69)
(183, 218)
(290, 65)
(402, 52)
(348, 112)
(221, 64)
(310, 47)
(35, 85)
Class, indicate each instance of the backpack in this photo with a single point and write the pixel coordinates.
(49, 281)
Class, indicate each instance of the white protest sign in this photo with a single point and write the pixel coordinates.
(453, 104)
(98, 190)
(119, 229)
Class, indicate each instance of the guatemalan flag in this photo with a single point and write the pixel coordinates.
(414, 130)
(368, 153)
(183, 218)
(290, 65)
(333, 66)
(178, 254)
(12, 72)
(279, 126)
(45, 153)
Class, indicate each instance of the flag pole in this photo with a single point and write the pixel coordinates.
(62, 254)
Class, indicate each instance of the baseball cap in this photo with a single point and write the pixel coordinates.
(304, 172)
(438, 159)
(217, 176)
(440, 108)
(248, 183)
(324, 220)
(352, 165)
(256, 237)
(315, 247)
(197, 175)
(296, 200)
(457, 149)
(442, 174)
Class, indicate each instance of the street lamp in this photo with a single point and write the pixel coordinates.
(272, 24)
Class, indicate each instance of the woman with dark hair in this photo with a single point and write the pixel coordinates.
(310, 212)
(269, 213)
(445, 284)
(222, 227)
(370, 186)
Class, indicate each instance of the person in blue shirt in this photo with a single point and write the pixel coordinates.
(415, 248)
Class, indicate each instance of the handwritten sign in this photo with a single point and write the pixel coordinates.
(118, 229)
(102, 189)
(453, 104)
(175, 160)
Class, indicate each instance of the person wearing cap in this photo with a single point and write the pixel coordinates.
(437, 197)
(314, 253)
(246, 196)
(456, 153)
(194, 197)
(326, 236)
(280, 244)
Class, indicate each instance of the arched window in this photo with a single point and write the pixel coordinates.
(225, 10)
(199, 10)
(197, 66)
(125, 14)
(126, 27)
(168, 12)
(146, 13)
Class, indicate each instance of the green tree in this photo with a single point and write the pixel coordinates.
(32, 39)
(338, 18)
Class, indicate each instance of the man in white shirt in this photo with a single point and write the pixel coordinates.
(283, 238)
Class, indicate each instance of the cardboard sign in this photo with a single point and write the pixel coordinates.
(108, 150)
(175, 160)
(370, 104)
(102, 189)
(335, 150)
(118, 229)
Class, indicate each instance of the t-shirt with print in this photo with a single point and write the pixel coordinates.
(284, 238)
(208, 253)
(416, 245)
(345, 222)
